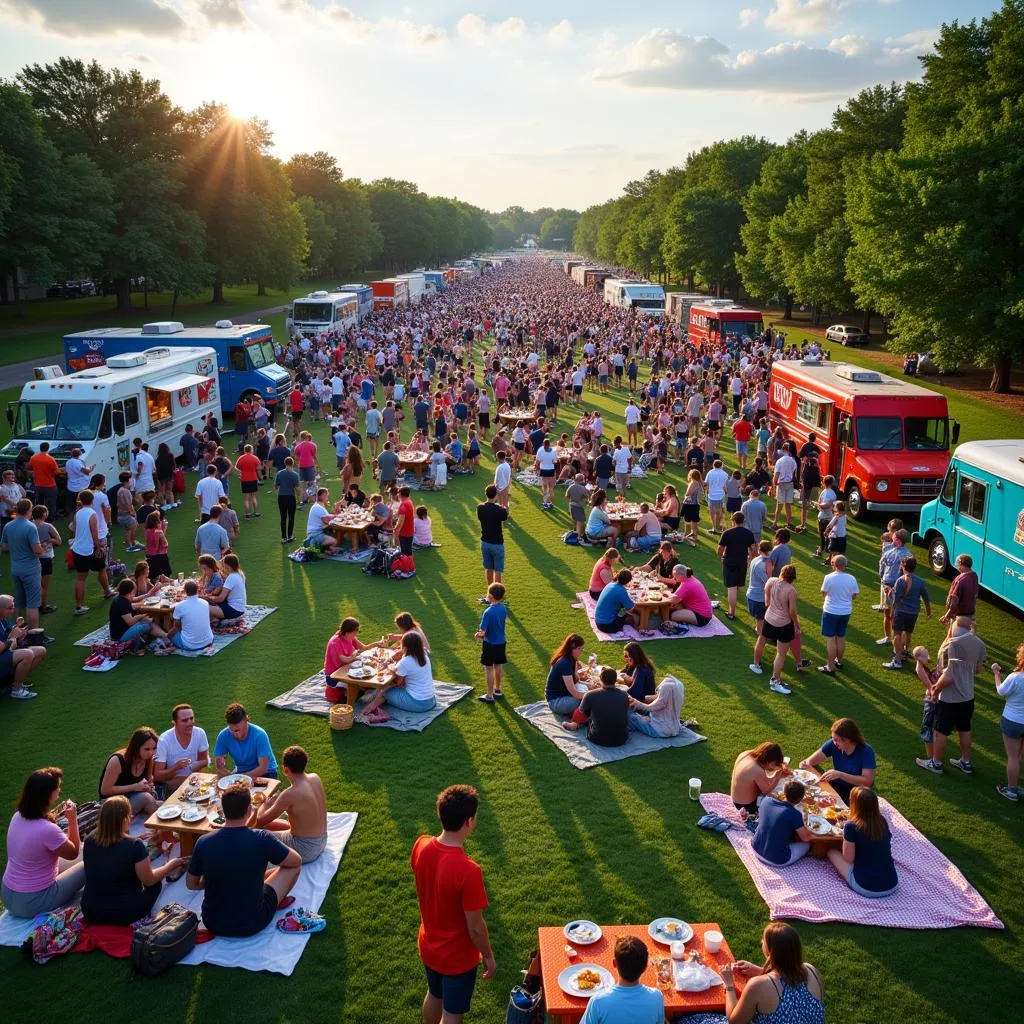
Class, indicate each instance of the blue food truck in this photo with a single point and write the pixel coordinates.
(980, 512)
(364, 293)
(246, 363)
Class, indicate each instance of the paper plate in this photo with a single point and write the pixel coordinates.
(193, 814)
(679, 931)
(806, 777)
(567, 980)
(166, 812)
(582, 933)
(230, 780)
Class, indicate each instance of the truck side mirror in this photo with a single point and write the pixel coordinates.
(956, 431)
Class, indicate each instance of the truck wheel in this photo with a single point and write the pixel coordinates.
(938, 556)
(855, 504)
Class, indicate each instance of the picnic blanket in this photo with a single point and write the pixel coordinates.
(932, 892)
(254, 615)
(308, 698)
(713, 628)
(584, 754)
(347, 555)
(270, 950)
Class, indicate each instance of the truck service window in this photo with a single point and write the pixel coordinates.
(879, 433)
(926, 435)
(158, 406)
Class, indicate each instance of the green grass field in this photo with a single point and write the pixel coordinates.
(616, 844)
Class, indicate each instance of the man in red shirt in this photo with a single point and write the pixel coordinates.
(450, 889)
(742, 430)
(248, 466)
(243, 413)
(44, 469)
(405, 521)
(296, 403)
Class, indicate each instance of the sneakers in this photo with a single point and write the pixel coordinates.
(82, 609)
(928, 765)
(47, 609)
(777, 686)
(756, 669)
(877, 608)
(894, 664)
(22, 693)
(963, 764)
(804, 663)
(1010, 794)
(882, 641)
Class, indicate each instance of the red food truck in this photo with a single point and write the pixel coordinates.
(392, 292)
(712, 322)
(886, 441)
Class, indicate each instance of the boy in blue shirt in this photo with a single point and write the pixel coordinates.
(248, 746)
(492, 632)
(614, 607)
(628, 1002)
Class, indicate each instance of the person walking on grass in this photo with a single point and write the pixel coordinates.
(1011, 722)
(908, 592)
(492, 538)
(492, 633)
(450, 890)
(248, 466)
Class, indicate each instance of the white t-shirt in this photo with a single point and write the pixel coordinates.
(547, 459)
(632, 415)
(169, 751)
(839, 588)
(716, 481)
(145, 466)
(620, 459)
(194, 615)
(503, 476)
(827, 497)
(101, 502)
(78, 479)
(596, 427)
(315, 523)
(83, 542)
(208, 490)
(235, 586)
(419, 679)
(785, 469)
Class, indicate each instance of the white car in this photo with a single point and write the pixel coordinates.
(846, 335)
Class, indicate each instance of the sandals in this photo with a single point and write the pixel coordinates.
(826, 670)
(376, 717)
(301, 922)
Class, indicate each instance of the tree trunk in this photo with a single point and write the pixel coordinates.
(4, 293)
(1001, 367)
(865, 324)
(174, 302)
(145, 293)
(122, 290)
(261, 288)
(689, 282)
(788, 315)
(218, 291)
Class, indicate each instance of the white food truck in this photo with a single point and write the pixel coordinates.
(151, 394)
(321, 312)
(643, 296)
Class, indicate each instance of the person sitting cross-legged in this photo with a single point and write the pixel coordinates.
(304, 803)
(629, 1002)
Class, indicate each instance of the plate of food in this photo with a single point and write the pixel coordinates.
(167, 812)
(818, 825)
(585, 980)
(193, 814)
(582, 932)
(215, 817)
(200, 794)
(808, 778)
(230, 780)
(667, 930)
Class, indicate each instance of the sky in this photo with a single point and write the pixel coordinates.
(529, 103)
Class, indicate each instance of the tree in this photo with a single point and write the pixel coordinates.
(701, 229)
(937, 227)
(558, 226)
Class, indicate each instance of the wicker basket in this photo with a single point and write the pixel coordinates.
(342, 716)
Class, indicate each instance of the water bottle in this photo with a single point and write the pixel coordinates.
(592, 662)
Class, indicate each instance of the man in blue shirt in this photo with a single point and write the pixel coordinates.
(908, 592)
(628, 1002)
(614, 606)
(492, 633)
(781, 838)
(248, 746)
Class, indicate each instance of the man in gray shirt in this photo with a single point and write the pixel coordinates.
(578, 496)
(21, 541)
(211, 537)
(754, 513)
(387, 463)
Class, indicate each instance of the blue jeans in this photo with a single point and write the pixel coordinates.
(641, 723)
(646, 543)
(179, 642)
(134, 632)
(564, 705)
(398, 697)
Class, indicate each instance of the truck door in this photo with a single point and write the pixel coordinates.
(238, 363)
(969, 532)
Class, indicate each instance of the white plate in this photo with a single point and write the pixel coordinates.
(166, 812)
(806, 777)
(582, 933)
(566, 981)
(212, 814)
(656, 931)
(818, 825)
(193, 814)
(230, 780)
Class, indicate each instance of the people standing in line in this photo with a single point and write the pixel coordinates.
(783, 480)
(908, 592)
(248, 466)
(491, 516)
(85, 538)
(20, 539)
(781, 625)
(492, 632)
(737, 546)
(840, 588)
(49, 538)
(1011, 722)
(962, 599)
(44, 469)
(286, 485)
(78, 479)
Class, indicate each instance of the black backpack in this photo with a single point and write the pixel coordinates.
(167, 937)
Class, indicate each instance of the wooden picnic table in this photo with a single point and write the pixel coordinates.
(416, 461)
(353, 523)
(189, 831)
(160, 606)
(623, 515)
(516, 419)
(373, 654)
(820, 845)
(566, 1009)
(650, 597)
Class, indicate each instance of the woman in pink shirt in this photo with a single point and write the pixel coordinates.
(35, 844)
(342, 649)
(604, 572)
(692, 604)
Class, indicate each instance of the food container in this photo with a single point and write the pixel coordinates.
(341, 717)
(713, 940)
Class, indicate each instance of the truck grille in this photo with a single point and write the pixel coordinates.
(920, 487)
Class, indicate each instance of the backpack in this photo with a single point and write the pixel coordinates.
(164, 939)
(572, 537)
(53, 933)
(381, 561)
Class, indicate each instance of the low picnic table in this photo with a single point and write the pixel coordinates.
(516, 419)
(352, 522)
(566, 1009)
(159, 607)
(650, 597)
(416, 461)
(189, 831)
(372, 654)
(820, 845)
(623, 514)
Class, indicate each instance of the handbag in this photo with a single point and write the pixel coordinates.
(165, 938)
(526, 1001)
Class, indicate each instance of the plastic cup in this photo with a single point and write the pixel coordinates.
(713, 941)
(694, 789)
(785, 762)
(678, 950)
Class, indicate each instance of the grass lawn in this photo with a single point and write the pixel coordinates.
(616, 844)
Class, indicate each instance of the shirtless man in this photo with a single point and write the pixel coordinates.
(754, 775)
(305, 805)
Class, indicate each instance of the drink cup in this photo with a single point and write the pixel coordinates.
(678, 950)
(181, 578)
(785, 762)
(694, 789)
(713, 941)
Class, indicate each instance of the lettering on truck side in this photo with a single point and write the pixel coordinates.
(781, 395)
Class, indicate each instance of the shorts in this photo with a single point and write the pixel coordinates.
(28, 591)
(714, 426)
(756, 608)
(778, 634)
(837, 545)
(611, 627)
(691, 513)
(833, 625)
(784, 494)
(954, 716)
(83, 563)
(1014, 730)
(927, 732)
(454, 990)
(742, 447)
(484, 419)
(520, 446)
(577, 389)
(734, 575)
(250, 486)
(307, 473)
(904, 622)
(618, 371)
(493, 556)
(888, 598)
(867, 893)
(702, 620)
(602, 378)
(621, 481)
(733, 504)
(405, 545)
(126, 521)
(577, 513)
(750, 808)
(547, 473)
(493, 654)
(46, 566)
(296, 415)
(715, 504)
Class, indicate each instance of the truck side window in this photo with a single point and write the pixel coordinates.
(972, 499)
(117, 411)
(237, 356)
(105, 425)
(949, 488)
(131, 411)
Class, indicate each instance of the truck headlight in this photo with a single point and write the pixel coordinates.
(882, 486)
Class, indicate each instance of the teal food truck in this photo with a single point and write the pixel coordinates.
(980, 512)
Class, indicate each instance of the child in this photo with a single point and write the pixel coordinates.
(48, 537)
(126, 512)
(691, 506)
(492, 632)
(734, 492)
(228, 517)
(929, 677)
(835, 532)
(473, 457)
(885, 542)
(422, 530)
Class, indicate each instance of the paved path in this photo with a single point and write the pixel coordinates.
(15, 374)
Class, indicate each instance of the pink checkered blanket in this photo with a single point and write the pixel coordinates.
(713, 628)
(932, 892)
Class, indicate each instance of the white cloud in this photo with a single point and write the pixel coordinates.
(748, 16)
(78, 18)
(804, 17)
(851, 46)
(922, 39)
(472, 27)
(412, 34)
(475, 29)
(223, 13)
(562, 32)
(510, 28)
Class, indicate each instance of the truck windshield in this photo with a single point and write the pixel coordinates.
(879, 433)
(648, 303)
(261, 353)
(741, 328)
(312, 312)
(927, 435)
(56, 421)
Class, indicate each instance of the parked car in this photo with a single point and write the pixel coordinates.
(86, 287)
(55, 290)
(846, 335)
